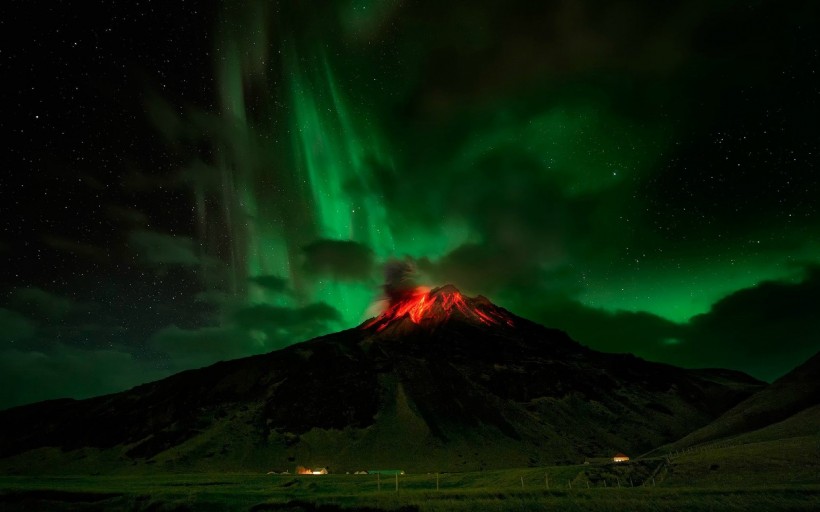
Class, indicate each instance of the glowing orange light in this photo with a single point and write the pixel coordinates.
(301, 470)
(422, 304)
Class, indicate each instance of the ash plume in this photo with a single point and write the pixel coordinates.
(399, 280)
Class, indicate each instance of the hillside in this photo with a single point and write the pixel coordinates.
(777, 411)
(439, 382)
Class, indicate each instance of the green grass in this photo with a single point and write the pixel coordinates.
(488, 490)
(756, 474)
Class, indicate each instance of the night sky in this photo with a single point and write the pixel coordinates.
(186, 182)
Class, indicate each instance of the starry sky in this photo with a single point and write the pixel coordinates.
(187, 182)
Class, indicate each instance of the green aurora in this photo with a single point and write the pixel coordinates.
(309, 155)
(642, 178)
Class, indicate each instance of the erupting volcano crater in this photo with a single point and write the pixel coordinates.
(423, 306)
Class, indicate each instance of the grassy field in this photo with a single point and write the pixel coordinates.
(776, 468)
(592, 488)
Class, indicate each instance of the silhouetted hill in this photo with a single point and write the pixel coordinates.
(790, 403)
(439, 382)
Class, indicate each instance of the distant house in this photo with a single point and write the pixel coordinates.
(301, 470)
(620, 457)
(360, 473)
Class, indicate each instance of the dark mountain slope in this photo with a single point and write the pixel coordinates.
(438, 382)
(795, 395)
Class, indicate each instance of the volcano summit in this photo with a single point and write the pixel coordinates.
(438, 382)
(424, 307)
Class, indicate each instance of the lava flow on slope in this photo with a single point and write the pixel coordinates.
(422, 305)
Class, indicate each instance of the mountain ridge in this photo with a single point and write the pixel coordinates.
(439, 381)
(793, 394)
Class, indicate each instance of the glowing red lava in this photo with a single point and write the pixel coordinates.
(438, 305)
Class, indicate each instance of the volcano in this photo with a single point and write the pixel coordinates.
(438, 382)
(421, 306)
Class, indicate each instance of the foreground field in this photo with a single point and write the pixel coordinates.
(558, 488)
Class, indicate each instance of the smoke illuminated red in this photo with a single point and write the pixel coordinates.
(422, 304)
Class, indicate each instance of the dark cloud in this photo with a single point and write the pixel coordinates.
(127, 216)
(15, 328)
(140, 181)
(159, 249)
(272, 283)
(195, 348)
(267, 317)
(78, 249)
(215, 297)
(482, 268)
(765, 330)
(253, 330)
(62, 371)
(529, 213)
(642, 334)
(525, 41)
(345, 260)
(112, 319)
(44, 305)
(164, 117)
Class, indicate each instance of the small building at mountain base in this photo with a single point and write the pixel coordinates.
(620, 457)
(301, 470)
